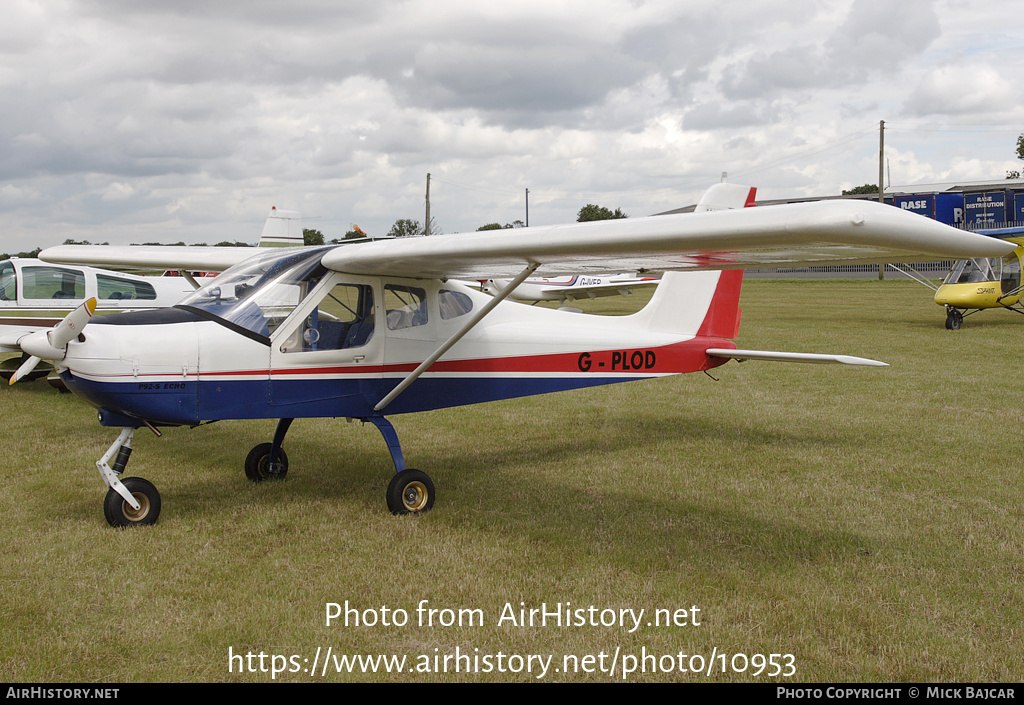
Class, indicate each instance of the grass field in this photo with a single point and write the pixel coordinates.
(865, 521)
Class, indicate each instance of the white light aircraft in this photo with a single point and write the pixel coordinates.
(571, 288)
(373, 329)
(36, 295)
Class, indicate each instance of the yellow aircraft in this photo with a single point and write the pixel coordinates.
(978, 283)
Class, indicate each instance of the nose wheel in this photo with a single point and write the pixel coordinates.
(954, 319)
(132, 501)
(119, 513)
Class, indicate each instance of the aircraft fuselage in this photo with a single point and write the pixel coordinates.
(178, 367)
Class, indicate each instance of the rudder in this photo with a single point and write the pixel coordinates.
(695, 303)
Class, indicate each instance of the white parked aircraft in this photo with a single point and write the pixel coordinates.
(571, 288)
(377, 328)
(36, 295)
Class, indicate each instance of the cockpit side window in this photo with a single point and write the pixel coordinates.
(453, 304)
(404, 306)
(342, 320)
(53, 283)
(115, 288)
(1011, 274)
(8, 282)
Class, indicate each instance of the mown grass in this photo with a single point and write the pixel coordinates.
(867, 521)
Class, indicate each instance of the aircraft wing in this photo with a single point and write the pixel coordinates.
(822, 232)
(192, 257)
(282, 228)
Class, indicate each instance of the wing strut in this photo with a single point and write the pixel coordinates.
(457, 336)
(908, 271)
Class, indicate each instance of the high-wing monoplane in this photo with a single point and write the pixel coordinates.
(978, 283)
(571, 288)
(373, 329)
(37, 295)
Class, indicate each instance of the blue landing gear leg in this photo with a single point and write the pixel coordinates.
(410, 491)
(268, 460)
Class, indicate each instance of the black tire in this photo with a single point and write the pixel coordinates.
(410, 492)
(257, 463)
(120, 513)
(953, 320)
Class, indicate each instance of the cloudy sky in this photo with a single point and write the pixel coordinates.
(187, 120)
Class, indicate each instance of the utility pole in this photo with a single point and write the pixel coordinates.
(527, 207)
(881, 176)
(426, 225)
(881, 160)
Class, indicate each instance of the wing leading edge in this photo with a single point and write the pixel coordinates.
(824, 232)
(207, 259)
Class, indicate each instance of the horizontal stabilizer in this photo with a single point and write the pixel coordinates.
(813, 358)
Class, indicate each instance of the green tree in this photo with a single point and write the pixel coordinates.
(22, 255)
(404, 227)
(591, 212)
(312, 237)
(499, 226)
(865, 189)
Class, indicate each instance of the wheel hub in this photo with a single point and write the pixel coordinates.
(415, 496)
(140, 513)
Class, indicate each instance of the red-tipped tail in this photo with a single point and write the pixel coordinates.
(723, 317)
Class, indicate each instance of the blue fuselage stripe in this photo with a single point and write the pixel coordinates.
(189, 402)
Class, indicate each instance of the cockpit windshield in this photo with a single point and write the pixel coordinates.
(258, 294)
(973, 271)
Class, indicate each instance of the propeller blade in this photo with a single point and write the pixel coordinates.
(72, 325)
(26, 367)
(51, 345)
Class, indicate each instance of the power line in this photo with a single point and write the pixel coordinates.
(810, 152)
(958, 127)
(474, 186)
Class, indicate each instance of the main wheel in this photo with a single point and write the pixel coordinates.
(120, 513)
(410, 491)
(257, 463)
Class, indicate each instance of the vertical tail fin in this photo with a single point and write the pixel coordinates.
(702, 303)
(722, 197)
(695, 303)
(282, 229)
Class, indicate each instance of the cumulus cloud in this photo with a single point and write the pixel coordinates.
(876, 37)
(147, 117)
(961, 89)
